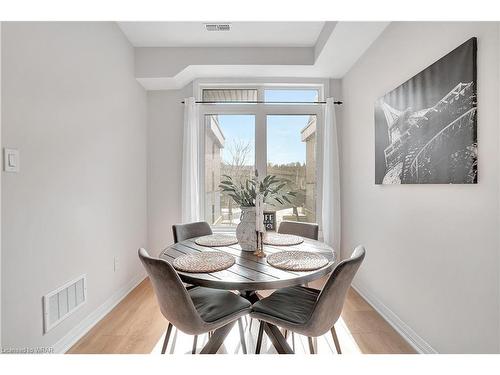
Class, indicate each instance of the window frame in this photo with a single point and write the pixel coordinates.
(261, 111)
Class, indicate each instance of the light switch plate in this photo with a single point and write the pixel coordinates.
(10, 160)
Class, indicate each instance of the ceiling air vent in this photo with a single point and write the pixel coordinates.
(218, 26)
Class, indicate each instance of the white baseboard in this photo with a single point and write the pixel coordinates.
(64, 344)
(418, 343)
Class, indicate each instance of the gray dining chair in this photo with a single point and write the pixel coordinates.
(195, 311)
(183, 232)
(308, 230)
(307, 311)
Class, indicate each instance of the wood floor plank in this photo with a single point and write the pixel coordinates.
(381, 343)
(365, 322)
(354, 302)
(136, 325)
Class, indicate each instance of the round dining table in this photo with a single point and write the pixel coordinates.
(250, 273)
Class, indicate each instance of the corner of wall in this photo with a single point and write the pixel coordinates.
(0, 186)
(498, 116)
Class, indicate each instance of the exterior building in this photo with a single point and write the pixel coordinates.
(309, 135)
(214, 143)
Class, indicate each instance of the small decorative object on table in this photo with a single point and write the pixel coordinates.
(260, 229)
(270, 220)
(244, 193)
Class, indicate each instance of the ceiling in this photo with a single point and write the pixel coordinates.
(169, 55)
(242, 34)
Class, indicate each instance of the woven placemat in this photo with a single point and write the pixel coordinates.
(278, 239)
(297, 260)
(204, 262)
(216, 240)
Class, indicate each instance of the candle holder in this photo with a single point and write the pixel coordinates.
(259, 252)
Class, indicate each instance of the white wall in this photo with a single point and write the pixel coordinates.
(73, 108)
(165, 132)
(153, 62)
(1, 186)
(432, 251)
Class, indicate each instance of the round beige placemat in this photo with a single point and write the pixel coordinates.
(204, 262)
(297, 260)
(278, 239)
(216, 240)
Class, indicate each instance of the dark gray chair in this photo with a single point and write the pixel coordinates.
(186, 231)
(195, 311)
(307, 311)
(183, 232)
(308, 230)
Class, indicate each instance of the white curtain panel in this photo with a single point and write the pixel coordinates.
(190, 204)
(330, 215)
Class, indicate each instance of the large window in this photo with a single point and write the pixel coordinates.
(276, 135)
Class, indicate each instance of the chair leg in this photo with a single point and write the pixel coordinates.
(250, 325)
(293, 341)
(259, 338)
(217, 339)
(285, 334)
(242, 336)
(195, 341)
(167, 337)
(336, 340)
(311, 345)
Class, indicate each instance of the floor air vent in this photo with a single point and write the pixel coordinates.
(62, 302)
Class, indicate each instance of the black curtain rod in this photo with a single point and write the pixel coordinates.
(259, 102)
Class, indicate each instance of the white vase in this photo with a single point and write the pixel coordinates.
(245, 231)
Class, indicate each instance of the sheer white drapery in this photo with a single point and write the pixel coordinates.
(190, 200)
(330, 213)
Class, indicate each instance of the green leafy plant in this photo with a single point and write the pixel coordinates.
(244, 194)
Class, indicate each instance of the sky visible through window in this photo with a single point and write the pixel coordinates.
(284, 143)
(238, 129)
(291, 95)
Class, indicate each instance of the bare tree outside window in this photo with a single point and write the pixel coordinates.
(237, 166)
(229, 148)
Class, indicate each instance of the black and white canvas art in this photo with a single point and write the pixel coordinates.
(426, 129)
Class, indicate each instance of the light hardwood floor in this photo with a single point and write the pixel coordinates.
(136, 325)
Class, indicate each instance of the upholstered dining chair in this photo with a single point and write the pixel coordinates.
(186, 231)
(195, 311)
(307, 311)
(308, 230)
